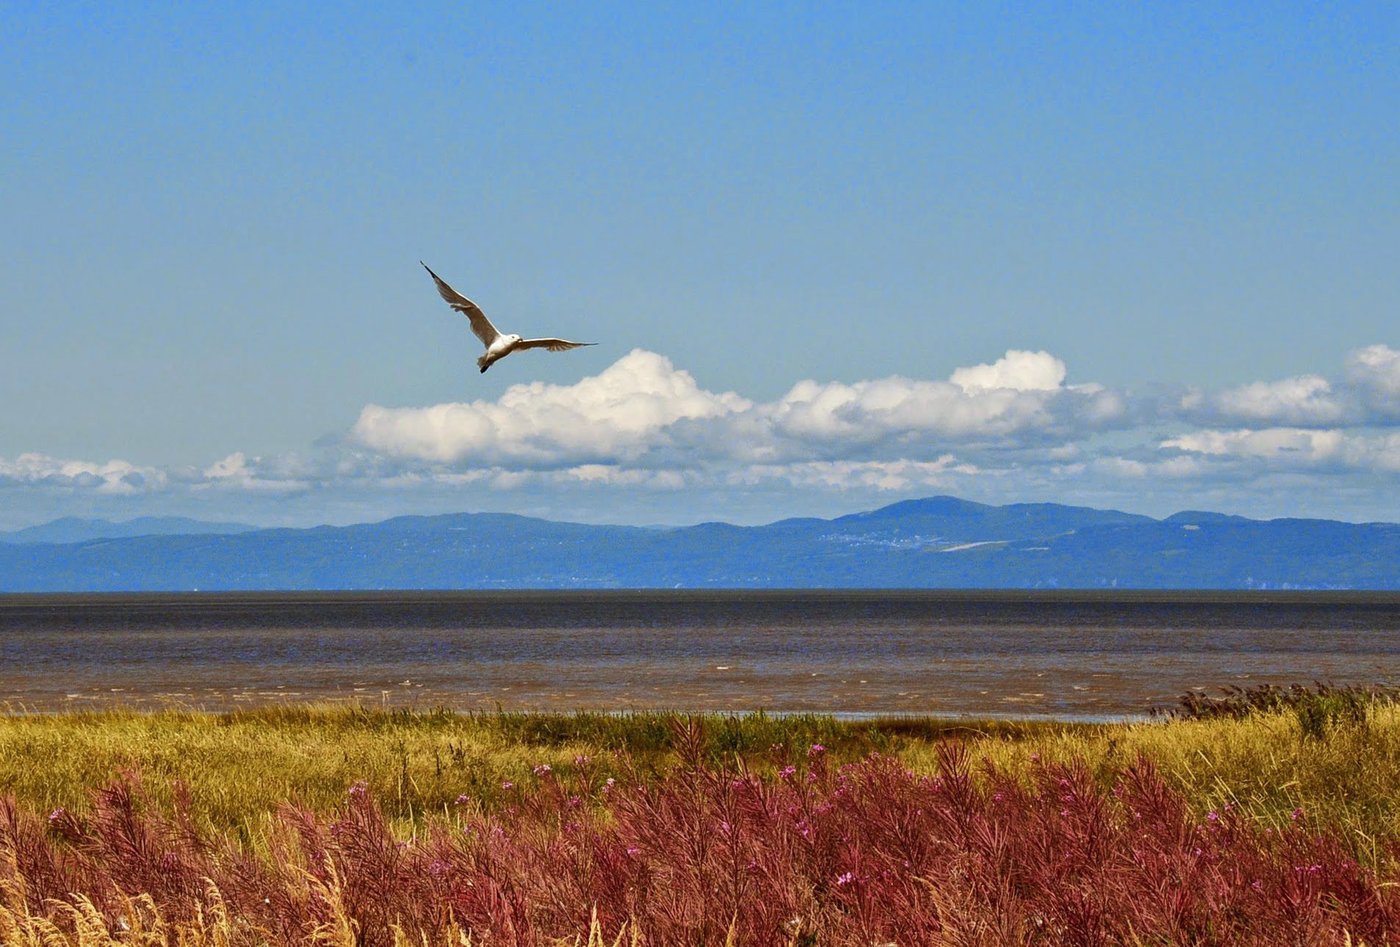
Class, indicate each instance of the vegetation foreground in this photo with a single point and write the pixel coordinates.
(1258, 820)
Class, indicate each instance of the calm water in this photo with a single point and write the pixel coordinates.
(1021, 654)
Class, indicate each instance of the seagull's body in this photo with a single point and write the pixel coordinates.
(498, 346)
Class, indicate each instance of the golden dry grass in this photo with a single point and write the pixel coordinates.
(239, 767)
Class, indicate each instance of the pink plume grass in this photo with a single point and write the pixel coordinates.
(868, 852)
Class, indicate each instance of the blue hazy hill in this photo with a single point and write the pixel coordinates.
(72, 529)
(939, 542)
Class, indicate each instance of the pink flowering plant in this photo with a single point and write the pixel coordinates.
(861, 853)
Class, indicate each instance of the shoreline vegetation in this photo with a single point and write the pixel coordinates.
(1261, 816)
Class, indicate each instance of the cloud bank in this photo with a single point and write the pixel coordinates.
(113, 477)
(645, 413)
(1013, 427)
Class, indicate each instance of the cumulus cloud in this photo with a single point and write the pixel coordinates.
(1308, 423)
(1291, 444)
(1305, 400)
(1131, 468)
(647, 429)
(238, 472)
(1296, 447)
(1367, 393)
(114, 477)
(849, 474)
(1019, 399)
(120, 478)
(1375, 373)
(617, 414)
(1015, 371)
(643, 412)
(869, 411)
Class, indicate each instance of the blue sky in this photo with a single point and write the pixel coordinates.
(1139, 256)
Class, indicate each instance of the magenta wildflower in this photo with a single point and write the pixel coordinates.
(659, 855)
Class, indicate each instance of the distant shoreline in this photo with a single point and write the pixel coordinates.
(958, 595)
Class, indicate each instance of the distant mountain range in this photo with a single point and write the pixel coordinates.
(71, 529)
(939, 542)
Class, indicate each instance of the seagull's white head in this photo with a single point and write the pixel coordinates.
(514, 339)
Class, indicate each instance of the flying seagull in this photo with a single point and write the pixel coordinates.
(498, 346)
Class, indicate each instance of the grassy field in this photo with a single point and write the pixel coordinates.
(95, 801)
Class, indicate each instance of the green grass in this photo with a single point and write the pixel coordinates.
(239, 767)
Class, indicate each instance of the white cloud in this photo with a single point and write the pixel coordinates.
(617, 414)
(237, 472)
(1297, 447)
(232, 467)
(646, 430)
(1307, 399)
(1292, 444)
(850, 474)
(114, 477)
(613, 475)
(1016, 371)
(643, 412)
(1375, 372)
(1368, 393)
(1015, 401)
(1171, 468)
(643, 422)
(869, 411)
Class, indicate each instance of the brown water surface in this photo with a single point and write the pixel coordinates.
(1068, 655)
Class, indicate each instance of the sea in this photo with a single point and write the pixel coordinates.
(1057, 655)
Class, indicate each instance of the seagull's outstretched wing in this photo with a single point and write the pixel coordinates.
(482, 326)
(554, 345)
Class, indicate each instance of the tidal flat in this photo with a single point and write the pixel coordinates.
(1055, 655)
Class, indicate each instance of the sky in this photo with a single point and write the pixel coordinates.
(1139, 256)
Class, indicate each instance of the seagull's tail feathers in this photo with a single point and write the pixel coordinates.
(483, 363)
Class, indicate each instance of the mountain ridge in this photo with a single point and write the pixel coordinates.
(932, 542)
(71, 529)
